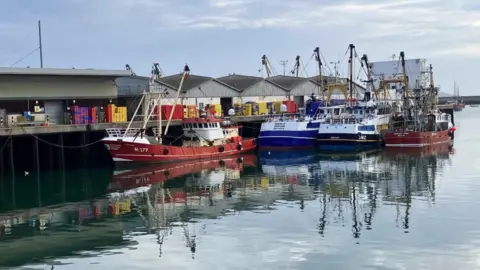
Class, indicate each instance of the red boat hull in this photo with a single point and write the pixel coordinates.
(444, 149)
(416, 139)
(126, 152)
(160, 173)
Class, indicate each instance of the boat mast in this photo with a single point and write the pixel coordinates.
(350, 70)
(405, 86)
(156, 75)
(320, 71)
(186, 72)
(433, 92)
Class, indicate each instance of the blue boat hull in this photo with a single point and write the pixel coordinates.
(348, 142)
(287, 139)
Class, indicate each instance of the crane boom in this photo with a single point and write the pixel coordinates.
(369, 80)
(127, 67)
(296, 68)
(266, 64)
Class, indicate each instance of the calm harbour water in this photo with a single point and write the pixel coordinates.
(378, 210)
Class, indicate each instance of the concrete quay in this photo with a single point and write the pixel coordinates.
(37, 130)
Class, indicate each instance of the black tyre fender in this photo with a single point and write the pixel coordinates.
(165, 151)
(221, 149)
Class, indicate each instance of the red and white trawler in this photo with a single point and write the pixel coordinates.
(203, 138)
(420, 124)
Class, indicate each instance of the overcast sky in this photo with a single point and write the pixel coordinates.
(217, 37)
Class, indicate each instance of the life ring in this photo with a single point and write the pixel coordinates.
(165, 151)
(239, 146)
(221, 149)
(221, 163)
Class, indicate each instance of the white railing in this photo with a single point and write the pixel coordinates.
(121, 132)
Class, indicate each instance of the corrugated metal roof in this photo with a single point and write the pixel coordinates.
(286, 82)
(64, 72)
(240, 82)
(192, 82)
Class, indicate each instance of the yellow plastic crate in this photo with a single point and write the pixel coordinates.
(262, 108)
(247, 109)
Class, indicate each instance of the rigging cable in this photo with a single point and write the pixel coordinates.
(6, 142)
(24, 57)
(64, 146)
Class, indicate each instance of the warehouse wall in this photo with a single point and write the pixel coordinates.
(255, 99)
(56, 87)
(204, 101)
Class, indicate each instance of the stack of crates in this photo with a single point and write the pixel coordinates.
(217, 108)
(277, 105)
(291, 106)
(191, 111)
(120, 115)
(93, 115)
(260, 108)
(109, 113)
(247, 109)
(238, 108)
(167, 110)
(80, 115)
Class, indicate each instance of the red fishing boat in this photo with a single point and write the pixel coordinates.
(146, 176)
(419, 125)
(203, 138)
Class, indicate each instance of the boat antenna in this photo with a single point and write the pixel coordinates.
(185, 75)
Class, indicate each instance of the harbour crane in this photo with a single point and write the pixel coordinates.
(157, 71)
(267, 65)
(127, 67)
(296, 68)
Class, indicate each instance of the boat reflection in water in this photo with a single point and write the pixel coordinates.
(361, 183)
(201, 191)
(177, 195)
(61, 224)
(339, 192)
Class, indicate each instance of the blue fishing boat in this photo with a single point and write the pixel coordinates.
(294, 131)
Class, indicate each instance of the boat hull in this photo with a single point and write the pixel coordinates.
(348, 142)
(279, 139)
(132, 152)
(417, 139)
